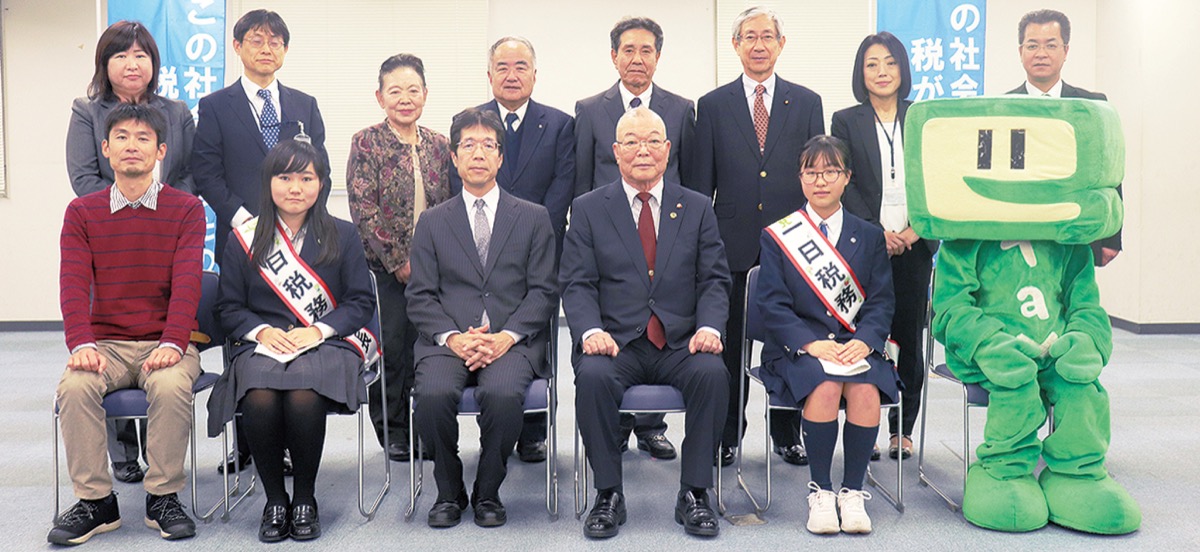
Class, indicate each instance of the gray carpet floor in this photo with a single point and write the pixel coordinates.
(1154, 382)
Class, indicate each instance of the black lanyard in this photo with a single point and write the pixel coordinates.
(890, 137)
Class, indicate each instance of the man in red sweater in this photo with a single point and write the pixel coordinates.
(129, 287)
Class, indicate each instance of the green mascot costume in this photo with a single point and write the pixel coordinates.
(1018, 188)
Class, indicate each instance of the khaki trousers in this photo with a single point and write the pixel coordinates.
(81, 414)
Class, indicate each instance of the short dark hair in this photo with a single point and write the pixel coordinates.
(859, 84)
(261, 19)
(402, 60)
(289, 156)
(117, 38)
(631, 23)
(473, 117)
(1041, 17)
(152, 117)
(831, 149)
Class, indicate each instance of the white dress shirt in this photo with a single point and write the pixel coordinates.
(749, 84)
(627, 96)
(833, 223)
(520, 111)
(1054, 92)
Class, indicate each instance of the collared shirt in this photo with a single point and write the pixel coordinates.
(748, 85)
(257, 103)
(833, 223)
(149, 199)
(1054, 92)
(627, 96)
(635, 204)
(520, 111)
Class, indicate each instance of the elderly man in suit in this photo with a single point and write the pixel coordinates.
(636, 47)
(749, 134)
(1045, 39)
(645, 290)
(539, 145)
(481, 291)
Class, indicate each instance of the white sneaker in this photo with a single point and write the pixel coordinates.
(822, 511)
(854, 512)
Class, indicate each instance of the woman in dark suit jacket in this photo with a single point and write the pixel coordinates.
(874, 132)
(126, 71)
(807, 350)
(284, 402)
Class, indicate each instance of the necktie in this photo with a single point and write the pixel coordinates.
(654, 328)
(824, 229)
(761, 119)
(269, 122)
(483, 235)
(512, 145)
(635, 103)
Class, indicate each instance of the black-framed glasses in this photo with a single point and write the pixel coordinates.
(653, 144)
(829, 175)
(489, 146)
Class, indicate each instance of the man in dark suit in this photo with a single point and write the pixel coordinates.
(239, 124)
(749, 134)
(636, 46)
(539, 144)
(645, 291)
(481, 291)
(1045, 39)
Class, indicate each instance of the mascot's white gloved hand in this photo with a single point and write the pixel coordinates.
(1076, 358)
(1008, 361)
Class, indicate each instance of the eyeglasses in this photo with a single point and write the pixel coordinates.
(1050, 48)
(766, 39)
(636, 145)
(489, 146)
(830, 176)
(257, 42)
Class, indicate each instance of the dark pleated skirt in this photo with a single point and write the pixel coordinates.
(794, 379)
(332, 371)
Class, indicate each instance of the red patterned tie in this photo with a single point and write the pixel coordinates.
(761, 119)
(654, 328)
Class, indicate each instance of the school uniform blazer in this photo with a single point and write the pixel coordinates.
(246, 301)
(596, 130)
(750, 189)
(229, 150)
(91, 172)
(606, 282)
(795, 316)
(450, 287)
(1068, 91)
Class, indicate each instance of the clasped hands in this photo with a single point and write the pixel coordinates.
(845, 354)
(479, 348)
(899, 242)
(703, 341)
(283, 341)
(89, 359)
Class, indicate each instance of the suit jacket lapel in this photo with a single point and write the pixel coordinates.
(668, 226)
(849, 241)
(506, 219)
(241, 107)
(532, 129)
(742, 117)
(614, 105)
(780, 103)
(622, 219)
(869, 142)
(460, 226)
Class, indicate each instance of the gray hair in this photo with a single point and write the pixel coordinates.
(751, 13)
(518, 39)
(642, 112)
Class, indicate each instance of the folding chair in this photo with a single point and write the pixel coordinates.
(754, 330)
(132, 404)
(541, 396)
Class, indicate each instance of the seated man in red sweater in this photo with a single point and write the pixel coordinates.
(129, 286)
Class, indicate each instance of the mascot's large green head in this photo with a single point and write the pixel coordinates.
(1014, 168)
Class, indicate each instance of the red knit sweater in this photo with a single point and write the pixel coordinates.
(143, 265)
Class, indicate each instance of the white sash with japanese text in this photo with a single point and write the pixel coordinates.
(300, 288)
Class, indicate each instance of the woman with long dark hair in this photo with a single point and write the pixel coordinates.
(294, 292)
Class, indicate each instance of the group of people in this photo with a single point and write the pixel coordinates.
(671, 206)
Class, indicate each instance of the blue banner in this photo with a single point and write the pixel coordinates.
(191, 45)
(945, 42)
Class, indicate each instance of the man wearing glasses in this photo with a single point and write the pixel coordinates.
(482, 288)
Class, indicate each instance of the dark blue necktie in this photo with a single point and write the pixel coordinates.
(824, 229)
(512, 145)
(269, 122)
(635, 103)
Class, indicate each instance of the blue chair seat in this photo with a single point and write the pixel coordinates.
(976, 394)
(535, 398)
(132, 402)
(652, 398)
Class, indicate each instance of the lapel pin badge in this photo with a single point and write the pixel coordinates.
(679, 206)
(785, 102)
(853, 240)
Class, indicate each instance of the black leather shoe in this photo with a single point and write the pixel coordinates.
(232, 465)
(531, 451)
(129, 472)
(446, 513)
(658, 446)
(875, 454)
(693, 512)
(489, 512)
(275, 526)
(794, 455)
(607, 516)
(306, 524)
(728, 454)
(399, 452)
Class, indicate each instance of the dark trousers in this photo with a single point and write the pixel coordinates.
(123, 440)
(910, 277)
(500, 390)
(785, 424)
(600, 384)
(399, 335)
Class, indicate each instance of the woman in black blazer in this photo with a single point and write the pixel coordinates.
(874, 131)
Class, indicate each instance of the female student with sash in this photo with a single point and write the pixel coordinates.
(873, 130)
(295, 295)
(825, 294)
